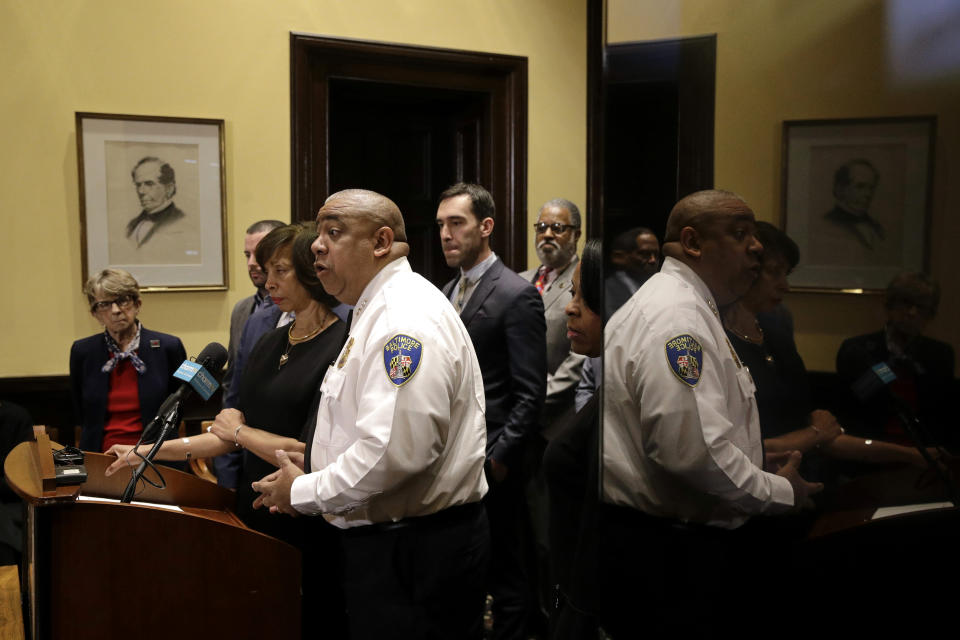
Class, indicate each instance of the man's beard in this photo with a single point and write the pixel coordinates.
(561, 255)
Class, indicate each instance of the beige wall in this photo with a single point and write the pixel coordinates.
(786, 60)
(220, 59)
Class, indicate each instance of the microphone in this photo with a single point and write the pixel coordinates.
(196, 376)
(874, 382)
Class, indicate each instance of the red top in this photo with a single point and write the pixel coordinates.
(905, 387)
(123, 424)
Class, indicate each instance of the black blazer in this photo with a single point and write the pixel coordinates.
(89, 385)
(504, 317)
(936, 387)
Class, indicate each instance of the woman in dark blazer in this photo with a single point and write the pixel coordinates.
(119, 378)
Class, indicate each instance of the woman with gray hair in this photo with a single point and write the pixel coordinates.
(119, 378)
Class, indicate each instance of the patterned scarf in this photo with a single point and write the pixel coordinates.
(116, 355)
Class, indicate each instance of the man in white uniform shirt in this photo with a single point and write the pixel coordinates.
(682, 453)
(397, 456)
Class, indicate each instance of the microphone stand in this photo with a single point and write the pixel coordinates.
(913, 427)
(170, 420)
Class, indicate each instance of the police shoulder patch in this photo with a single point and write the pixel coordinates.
(685, 357)
(401, 358)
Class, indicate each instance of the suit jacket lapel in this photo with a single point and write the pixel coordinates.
(447, 288)
(484, 288)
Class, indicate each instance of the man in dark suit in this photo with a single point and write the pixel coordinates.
(156, 185)
(227, 466)
(504, 317)
(635, 256)
(924, 367)
(247, 306)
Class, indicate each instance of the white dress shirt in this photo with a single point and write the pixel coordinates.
(384, 448)
(687, 449)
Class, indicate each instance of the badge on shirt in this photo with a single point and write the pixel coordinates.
(401, 357)
(685, 357)
(346, 354)
(733, 354)
(154, 344)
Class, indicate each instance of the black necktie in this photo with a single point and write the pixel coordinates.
(315, 406)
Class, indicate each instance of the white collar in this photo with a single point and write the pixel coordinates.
(400, 265)
(681, 271)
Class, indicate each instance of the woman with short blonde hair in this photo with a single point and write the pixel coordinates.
(120, 377)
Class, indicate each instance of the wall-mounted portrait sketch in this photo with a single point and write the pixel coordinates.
(152, 199)
(856, 197)
(149, 198)
(859, 194)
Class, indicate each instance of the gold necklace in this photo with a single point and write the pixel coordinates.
(292, 340)
(743, 335)
(304, 338)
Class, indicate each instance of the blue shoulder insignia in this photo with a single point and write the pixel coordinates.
(401, 358)
(685, 357)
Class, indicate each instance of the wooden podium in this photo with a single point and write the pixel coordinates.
(112, 570)
(864, 575)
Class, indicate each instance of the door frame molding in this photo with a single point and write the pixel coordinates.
(687, 63)
(315, 60)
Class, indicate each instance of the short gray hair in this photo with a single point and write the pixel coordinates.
(563, 203)
(112, 282)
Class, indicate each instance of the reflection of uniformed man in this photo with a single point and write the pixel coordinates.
(682, 454)
(397, 456)
(156, 185)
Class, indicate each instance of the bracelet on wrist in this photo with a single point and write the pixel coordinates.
(236, 437)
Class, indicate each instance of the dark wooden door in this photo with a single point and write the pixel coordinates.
(409, 121)
(408, 143)
(652, 130)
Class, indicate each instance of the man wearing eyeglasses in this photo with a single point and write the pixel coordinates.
(557, 231)
(504, 317)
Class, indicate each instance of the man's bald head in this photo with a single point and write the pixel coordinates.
(714, 233)
(359, 233)
(362, 204)
(699, 209)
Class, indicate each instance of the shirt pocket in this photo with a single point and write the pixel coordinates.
(332, 383)
(328, 434)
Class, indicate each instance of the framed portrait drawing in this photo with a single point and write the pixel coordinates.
(152, 199)
(856, 199)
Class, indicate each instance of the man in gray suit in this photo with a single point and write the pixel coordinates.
(227, 466)
(557, 231)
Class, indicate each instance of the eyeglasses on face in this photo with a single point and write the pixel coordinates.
(556, 227)
(124, 302)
